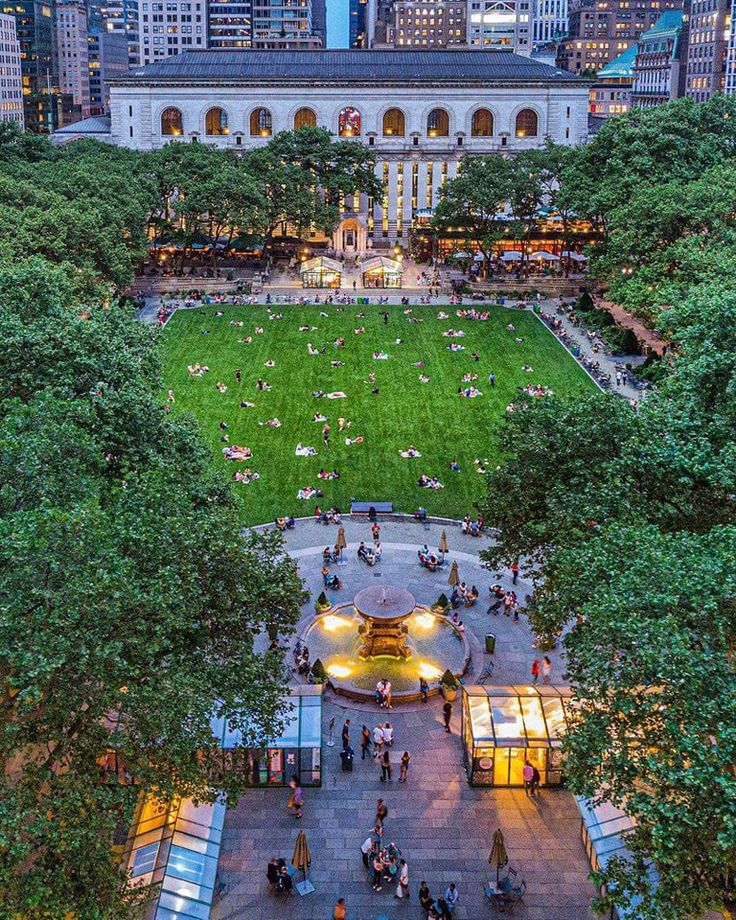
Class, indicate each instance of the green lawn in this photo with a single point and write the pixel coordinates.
(430, 416)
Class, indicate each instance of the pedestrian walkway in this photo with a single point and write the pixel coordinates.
(443, 826)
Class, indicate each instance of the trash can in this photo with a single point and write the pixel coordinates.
(490, 643)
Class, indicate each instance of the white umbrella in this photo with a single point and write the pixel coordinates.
(511, 257)
(547, 256)
(460, 255)
(575, 256)
(479, 257)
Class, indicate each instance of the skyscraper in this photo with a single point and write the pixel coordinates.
(168, 27)
(72, 54)
(11, 84)
(121, 18)
(550, 21)
(107, 54)
(34, 28)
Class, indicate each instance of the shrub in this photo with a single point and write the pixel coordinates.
(318, 672)
(322, 601)
(449, 680)
(442, 601)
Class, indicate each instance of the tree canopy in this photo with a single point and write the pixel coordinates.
(132, 607)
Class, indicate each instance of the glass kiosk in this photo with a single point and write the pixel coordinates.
(505, 726)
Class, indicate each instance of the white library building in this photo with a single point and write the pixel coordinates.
(421, 111)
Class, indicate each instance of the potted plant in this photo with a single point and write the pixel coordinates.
(319, 674)
(441, 605)
(449, 686)
(322, 604)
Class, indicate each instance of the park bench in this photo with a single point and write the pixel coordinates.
(365, 507)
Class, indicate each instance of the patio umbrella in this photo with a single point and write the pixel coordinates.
(454, 578)
(302, 859)
(460, 255)
(341, 541)
(511, 257)
(499, 857)
(443, 542)
(546, 256)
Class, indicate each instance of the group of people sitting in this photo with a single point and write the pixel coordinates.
(369, 554)
(462, 594)
(454, 334)
(329, 579)
(442, 908)
(197, 370)
(246, 475)
(331, 516)
(505, 599)
(236, 452)
(536, 390)
(410, 452)
(277, 873)
(473, 528)
(285, 523)
(327, 474)
(470, 392)
(472, 313)
(383, 698)
(309, 492)
(455, 346)
(430, 560)
(429, 482)
(301, 658)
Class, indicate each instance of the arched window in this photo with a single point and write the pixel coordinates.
(438, 123)
(393, 123)
(305, 118)
(172, 122)
(215, 122)
(348, 122)
(527, 123)
(482, 125)
(260, 123)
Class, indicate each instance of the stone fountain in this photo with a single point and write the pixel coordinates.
(383, 632)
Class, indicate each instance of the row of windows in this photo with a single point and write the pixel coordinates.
(349, 123)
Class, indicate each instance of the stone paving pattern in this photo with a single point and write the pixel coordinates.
(443, 826)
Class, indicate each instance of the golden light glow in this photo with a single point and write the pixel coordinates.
(338, 670)
(331, 622)
(428, 671)
(424, 620)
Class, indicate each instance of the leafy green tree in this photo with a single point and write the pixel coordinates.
(475, 199)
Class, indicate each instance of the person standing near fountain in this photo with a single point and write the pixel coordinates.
(447, 714)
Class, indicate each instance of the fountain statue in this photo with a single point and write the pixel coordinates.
(383, 632)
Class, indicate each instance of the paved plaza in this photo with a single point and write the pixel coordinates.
(443, 826)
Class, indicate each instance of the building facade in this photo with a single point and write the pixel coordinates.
(705, 47)
(611, 92)
(121, 18)
(72, 54)
(230, 24)
(34, 25)
(601, 30)
(419, 111)
(656, 71)
(502, 24)
(550, 21)
(107, 54)
(430, 23)
(167, 27)
(11, 82)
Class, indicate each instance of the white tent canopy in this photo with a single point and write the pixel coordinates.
(575, 256)
(511, 257)
(545, 256)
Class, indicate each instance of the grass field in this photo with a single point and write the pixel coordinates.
(430, 416)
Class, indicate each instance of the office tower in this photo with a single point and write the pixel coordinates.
(35, 30)
(72, 54)
(657, 64)
(284, 24)
(121, 18)
(11, 83)
(230, 24)
(505, 25)
(167, 27)
(429, 23)
(550, 21)
(107, 54)
(707, 27)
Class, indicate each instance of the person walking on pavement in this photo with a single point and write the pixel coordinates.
(296, 799)
(546, 669)
(536, 782)
(402, 888)
(365, 741)
(378, 738)
(386, 767)
(447, 714)
(535, 670)
(528, 774)
(381, 812)
(514, 572)
(346, 734)
(375, 531)
(340, 912)
(404, 768)
(423, 689)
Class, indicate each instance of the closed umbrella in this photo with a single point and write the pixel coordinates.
(341, 541)
(443, 542)
(454, 578)
(499, 857)
(302, 859)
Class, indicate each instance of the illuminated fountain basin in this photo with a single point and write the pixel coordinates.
(432, 645)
